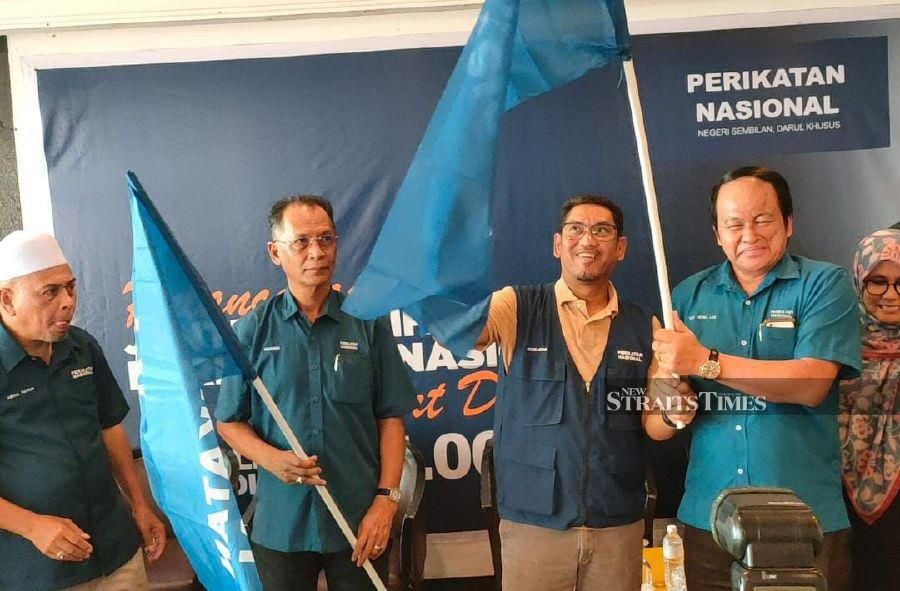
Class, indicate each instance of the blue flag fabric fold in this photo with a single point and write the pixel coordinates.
(183, 342)
(432, 258)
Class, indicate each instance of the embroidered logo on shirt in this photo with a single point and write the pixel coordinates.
(83, 372)
(350, 345)
(15, 395)
(637, 356)
(274, 348)
(536, 349)
(781, 314)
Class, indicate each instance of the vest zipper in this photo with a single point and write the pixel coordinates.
(587, 448)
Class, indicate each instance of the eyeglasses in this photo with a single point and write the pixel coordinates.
(879, 287)
(301, 243)
(602, 232)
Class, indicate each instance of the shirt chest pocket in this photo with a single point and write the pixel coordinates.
(776, 343)
(79, 398)
(540, 400)
(353, 377)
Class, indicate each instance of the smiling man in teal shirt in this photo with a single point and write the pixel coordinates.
(341, 385)
(765, 336)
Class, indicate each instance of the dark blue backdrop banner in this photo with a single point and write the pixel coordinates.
(216, 143)
(772, 97)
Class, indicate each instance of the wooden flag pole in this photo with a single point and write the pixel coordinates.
(321, 489)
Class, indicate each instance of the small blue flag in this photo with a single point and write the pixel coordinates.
(183, 341)
(433, 256)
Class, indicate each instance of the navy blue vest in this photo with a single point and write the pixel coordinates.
(566, 455)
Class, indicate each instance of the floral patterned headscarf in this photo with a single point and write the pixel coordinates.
(870, 416)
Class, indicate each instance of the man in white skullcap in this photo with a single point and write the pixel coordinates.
(63, 521)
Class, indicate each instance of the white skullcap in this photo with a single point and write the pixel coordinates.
(23, 253)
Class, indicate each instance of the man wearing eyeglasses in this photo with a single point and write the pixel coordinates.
(765, 335)
(342, 387)
(568, 436)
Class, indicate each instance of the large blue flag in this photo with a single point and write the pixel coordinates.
(183, 342)
(433, 256)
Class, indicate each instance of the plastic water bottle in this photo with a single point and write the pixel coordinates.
(646, 576)
(673, 560)
(646, 572)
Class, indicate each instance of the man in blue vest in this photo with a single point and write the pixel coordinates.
(568, 436)
(765, 336)
(63, 450)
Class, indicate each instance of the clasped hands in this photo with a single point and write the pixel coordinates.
(678, 353)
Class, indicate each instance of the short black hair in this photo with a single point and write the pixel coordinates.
(276, 213)
(896, 226)
(602, 201)
(778, 182)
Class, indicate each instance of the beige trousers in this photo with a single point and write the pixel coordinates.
(131, 576)
(543, 559)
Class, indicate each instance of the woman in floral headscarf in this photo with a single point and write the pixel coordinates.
(870, 418)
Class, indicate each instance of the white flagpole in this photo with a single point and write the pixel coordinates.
(643, 149)
(321, 489)
(640, 137)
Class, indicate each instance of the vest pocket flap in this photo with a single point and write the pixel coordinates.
(540, 406)
(529, 479)
(539, 456)
(537, 367)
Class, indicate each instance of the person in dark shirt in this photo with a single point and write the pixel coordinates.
(63, 450)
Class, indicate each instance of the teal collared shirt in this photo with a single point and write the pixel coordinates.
(53, 460)
(332, 381)
(803, 308)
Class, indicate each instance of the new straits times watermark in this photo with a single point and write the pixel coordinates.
(638, 398)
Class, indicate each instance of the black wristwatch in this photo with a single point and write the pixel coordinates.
(391, 493)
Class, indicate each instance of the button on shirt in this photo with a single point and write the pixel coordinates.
(53, 460)
(803, 308)
(332, 381)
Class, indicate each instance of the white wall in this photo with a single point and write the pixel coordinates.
(62, 33)
(19, 15)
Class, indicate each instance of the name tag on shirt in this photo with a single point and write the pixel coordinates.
(15, 395)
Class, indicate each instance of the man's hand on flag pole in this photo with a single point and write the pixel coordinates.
(291, 469)
(153, 532)
(673, 396)
(678, 351)
(374, 530)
